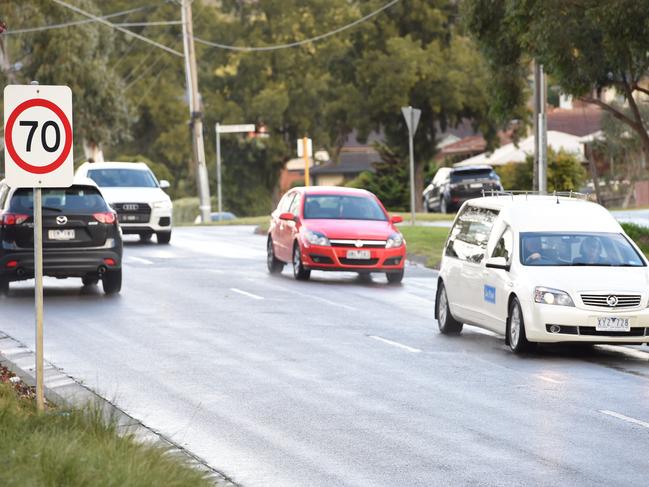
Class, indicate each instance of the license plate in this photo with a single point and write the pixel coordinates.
(61, 234)
(128, 218)
(612, 324)
(358, 254)
(475, 185)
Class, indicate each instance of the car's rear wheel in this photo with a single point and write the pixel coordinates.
(516, 335)
(4, 286)
(447, 324)
(275, 265)
(394, 277)
(299, 272)
(426, 204)
(89, 280)
(112, 281)
(145, 237)
(163, 237)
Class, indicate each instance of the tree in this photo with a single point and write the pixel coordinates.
(587, 46)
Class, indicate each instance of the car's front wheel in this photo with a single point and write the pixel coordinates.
(275, 265)
(145, 237)
(112, 281)
(394, 277)
(163, 237)
(516, 335)
(299, 272)
(89, 280)
(4, 286)
(443, 205)
(447, 324)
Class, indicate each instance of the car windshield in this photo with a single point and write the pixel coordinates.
(123, 178)
(83, 199)
(578, 249)
(339, 207)
(472, 175)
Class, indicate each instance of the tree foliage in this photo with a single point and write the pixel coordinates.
(565, 173)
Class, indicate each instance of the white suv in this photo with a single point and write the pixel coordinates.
(143, 208)
(543, 269)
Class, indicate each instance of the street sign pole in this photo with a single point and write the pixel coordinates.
(411, 116)
(38, 295)
(218, 169)
(305, 142)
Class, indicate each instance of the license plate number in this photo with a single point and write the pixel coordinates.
(358, 254)
(612, 324)
(475, 185)
(61, 234)
(128, 218)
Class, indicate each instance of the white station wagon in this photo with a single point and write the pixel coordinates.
(543, 269)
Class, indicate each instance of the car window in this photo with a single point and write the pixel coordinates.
(505, 245)
(578, 249)
(343, 207)
(285, 202)
(470, 234)
(473, 175)
(123, 178)
(295, 205)
(76, 198)
(440, 176)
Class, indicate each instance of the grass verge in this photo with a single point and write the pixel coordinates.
(78, 447)
(639, 234)
(425, 217)
(425, 243)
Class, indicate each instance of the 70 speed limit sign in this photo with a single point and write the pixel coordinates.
(38, 136)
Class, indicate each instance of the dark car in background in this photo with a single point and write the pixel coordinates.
(81, 236)
(453, 186)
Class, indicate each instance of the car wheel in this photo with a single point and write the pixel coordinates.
(394, 277)
(112, 281)
(146, 237)
(426, 205)
(443, 206)
(163, 237)
(447, 324)
(299, 272)
(4, 286)
(89, 280)
(275, 265)
(516, 329)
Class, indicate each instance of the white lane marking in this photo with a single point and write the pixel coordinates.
(395, 344)
(245, 293)
(132, 258)
(548, 379)
(631, 352)
(628, 419)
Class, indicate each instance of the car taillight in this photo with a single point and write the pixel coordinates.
(14, 218)
(107, 217)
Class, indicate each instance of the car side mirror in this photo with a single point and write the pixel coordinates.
(164, 184)
(396, 219)
(287, 217)
(497, 263)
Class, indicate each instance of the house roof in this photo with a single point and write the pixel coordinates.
(350, 162)
(577, 121)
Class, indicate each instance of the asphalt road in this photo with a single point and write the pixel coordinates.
(336, 382)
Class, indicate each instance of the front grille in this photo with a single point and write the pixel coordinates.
(360, 262)
(133, 212)
(359, 243)
(619, 300)
(591, 331)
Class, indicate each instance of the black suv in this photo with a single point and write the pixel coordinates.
(81, 236)
(453, 186)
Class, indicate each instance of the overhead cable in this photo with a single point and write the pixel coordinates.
(297, 43)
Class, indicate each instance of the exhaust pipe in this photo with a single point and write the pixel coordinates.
(101, 270)
(20, 272)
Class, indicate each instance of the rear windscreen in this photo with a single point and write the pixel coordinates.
(122, 178)
(482, 174)
(83, 199)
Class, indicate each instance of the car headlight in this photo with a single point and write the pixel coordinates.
(394, 240)
(546, 295)
(164, 204)
(316, 238)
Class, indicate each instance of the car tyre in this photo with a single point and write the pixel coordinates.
(394, 278)
(443, 206)
(426, 204)
(4, 286)
(89, 280)
(112, 281)
(275, 265)
(516, 336)
(299, 272)
(146, 237)
(447, 324)
(163, 237)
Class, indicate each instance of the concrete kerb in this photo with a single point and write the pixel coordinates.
(65, 390)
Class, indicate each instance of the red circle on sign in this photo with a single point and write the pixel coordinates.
(38, 102)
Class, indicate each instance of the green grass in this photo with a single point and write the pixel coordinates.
(78, 448)
(639, 234)
(425, 243)
(424, 217)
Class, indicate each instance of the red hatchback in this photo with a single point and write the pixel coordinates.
(335, 229)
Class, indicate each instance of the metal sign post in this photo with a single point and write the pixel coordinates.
(38, 154)
(412, 116)
(305, 150)
(225, 129)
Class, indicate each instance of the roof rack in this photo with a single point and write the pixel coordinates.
(563, 194)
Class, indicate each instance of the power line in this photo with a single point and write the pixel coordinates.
(297, 43)
(148, 24)
(121, 29)
(76, 22)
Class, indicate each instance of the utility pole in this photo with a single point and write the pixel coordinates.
(540, 131)
(196, 116)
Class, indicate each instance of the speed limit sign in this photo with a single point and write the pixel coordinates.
(38, 136)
